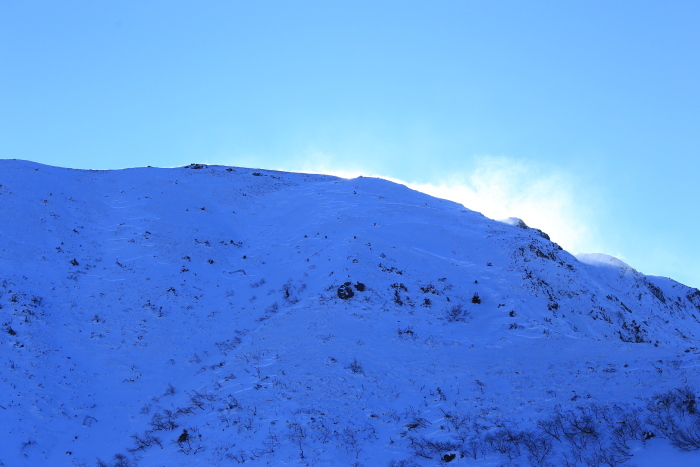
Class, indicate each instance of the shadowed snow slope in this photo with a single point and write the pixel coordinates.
(139, 303)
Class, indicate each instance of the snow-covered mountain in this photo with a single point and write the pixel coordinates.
(211, 315)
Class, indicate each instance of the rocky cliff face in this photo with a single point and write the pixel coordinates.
(209, 315)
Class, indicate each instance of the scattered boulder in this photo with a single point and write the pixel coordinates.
(345, 291)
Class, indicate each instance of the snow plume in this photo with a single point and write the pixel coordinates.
(316, 161)
(501, 187)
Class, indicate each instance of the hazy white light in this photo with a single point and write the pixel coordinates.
(499, 188)
(502, 187)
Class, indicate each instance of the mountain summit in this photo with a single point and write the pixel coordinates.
(210, 315)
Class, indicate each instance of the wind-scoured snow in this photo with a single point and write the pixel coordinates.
(295, 319)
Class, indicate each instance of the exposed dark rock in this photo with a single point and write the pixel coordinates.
(694, 298)
(391, 269)
(543, 235)
(397, 296)
(519, 223)
(345, 291)
(542, 254)
(656, 292)
(634, 333)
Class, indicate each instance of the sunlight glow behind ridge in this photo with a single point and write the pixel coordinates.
(502, 187)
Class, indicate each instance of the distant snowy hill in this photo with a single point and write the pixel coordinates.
(208, 315)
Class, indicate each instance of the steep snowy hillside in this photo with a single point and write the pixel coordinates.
(218, 316)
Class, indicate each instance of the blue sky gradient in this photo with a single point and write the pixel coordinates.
(581, 117)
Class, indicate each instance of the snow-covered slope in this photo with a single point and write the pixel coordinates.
(294, 319)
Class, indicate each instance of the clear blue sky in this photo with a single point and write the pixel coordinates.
(583, 118)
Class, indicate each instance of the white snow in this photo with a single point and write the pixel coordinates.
(206, 299)
(601, 259)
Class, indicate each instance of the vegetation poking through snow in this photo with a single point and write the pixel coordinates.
(217, 316)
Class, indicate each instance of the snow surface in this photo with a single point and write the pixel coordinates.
(144, 302)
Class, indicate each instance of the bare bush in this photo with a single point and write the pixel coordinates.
(145, 441)
(579, 428)
(190, 441)
(687, 437)
(553, 426)
(351, 440)
(474, 447)
(403, 463)
(297, 435)
(675, 415)
(416, 423)
(163, 420)
(505, 440)
(539, 447)
(271, 442)
(457, 313)
(356, 367)
(121, 461)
